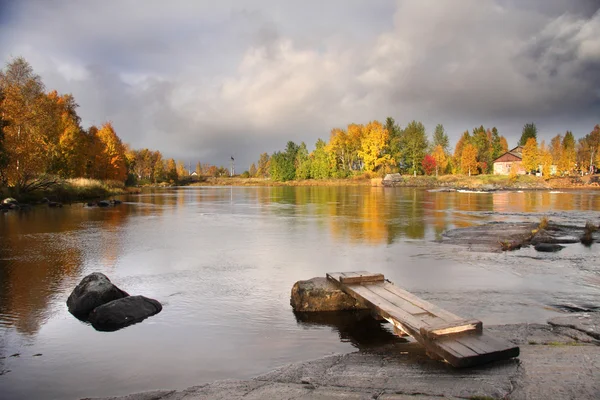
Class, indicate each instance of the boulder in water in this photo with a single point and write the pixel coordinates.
(123, 312)
(94, 290)
(318, 294)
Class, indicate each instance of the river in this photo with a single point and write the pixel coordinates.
(222, 260)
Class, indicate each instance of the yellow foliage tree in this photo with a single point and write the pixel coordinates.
(468, 159)
(545, 159)
(530, 155)
(113, 154)
(441, 160)
(375, 142)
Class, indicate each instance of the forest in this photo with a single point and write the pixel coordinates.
(42, 142)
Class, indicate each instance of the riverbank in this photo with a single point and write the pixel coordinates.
(479, 182)
(70, 191)
(559, 360)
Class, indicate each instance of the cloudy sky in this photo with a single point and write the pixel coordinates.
(201, 80)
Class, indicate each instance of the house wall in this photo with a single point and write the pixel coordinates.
(503, 168)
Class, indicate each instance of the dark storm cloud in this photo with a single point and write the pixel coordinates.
(203, 81)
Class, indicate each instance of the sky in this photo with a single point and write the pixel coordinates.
(205, 80)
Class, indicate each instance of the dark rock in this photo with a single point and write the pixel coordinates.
(123, 312)
(318, 294)
(103, 203)
(115, 202)
(548, 247)
(94, 290)
(10, 200)
(54, 204)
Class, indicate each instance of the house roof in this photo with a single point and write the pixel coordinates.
(516, 152)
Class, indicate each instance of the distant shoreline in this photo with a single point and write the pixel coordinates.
(481, 182)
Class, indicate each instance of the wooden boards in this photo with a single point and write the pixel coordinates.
(460, 342)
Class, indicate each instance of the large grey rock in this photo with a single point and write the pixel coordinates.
(318, 294)
(123, 312)
(94, 290)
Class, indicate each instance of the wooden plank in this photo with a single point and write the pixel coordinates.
(418, 302)
(404, 304)
(452, 328)
(385, 308)
(460, 342)
(353, 278)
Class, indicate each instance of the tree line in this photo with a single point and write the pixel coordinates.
(381, 148)
(41, 138)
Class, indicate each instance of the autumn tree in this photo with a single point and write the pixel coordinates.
(263, 166)
(458, 149)
(468, 159)
(441, 160)
(568, 155)
(530, 155)
(429, 164)
(171, 171)
(252, 170)
(556, 148)
(589, 146)
(414, 145)
(374, 146)
(181, 169)
(113, 154)
(199, 171)
(529, 131)
(545, 160)
(25, 110)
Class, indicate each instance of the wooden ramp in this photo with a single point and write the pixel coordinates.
(460, 342)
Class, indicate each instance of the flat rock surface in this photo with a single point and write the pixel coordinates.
(589, 323)
(558, 366)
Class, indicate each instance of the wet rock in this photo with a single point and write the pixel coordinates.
(94, 290)
(318, 294)
(495, 236)
(123, 312)
(115, 202)
(548, 247)
(10, 200)
(54, 204)
(103, 203)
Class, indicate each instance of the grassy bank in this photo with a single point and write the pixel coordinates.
(70, 191)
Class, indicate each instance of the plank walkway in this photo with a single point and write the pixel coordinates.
(462, 343)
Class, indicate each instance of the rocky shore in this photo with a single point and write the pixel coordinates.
(559, 360)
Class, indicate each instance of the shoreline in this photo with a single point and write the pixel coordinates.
(458, 182)
(559, 360)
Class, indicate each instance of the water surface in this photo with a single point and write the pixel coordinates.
(223, 260)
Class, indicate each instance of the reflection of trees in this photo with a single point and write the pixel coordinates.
(356, 214)
(41, 248)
